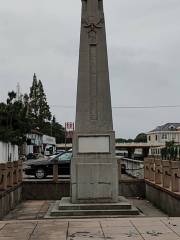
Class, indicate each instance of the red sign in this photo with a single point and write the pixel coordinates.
(69, 127)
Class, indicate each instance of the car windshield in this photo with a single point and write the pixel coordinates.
(64, 157)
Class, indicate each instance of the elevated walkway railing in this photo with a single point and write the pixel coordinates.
(165, 173)
(134, 168)
(10, 174)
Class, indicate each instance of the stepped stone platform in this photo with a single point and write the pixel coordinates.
(64, 208)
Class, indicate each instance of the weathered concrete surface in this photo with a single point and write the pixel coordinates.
(64, 208)
(96, 229)
(29, 210)
(93, 105)
(33, 209)
(132, 188)
(45, 190)
(48, 190)
(146, 208)
(94, 174)
(9, 199)
(164, 199)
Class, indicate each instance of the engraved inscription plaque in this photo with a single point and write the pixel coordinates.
(94, 144)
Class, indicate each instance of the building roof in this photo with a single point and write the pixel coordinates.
(34, 131)
(166, 127)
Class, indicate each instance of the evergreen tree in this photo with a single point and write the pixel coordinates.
(54, 129)
(33, 97)
(58, 131)
(14, 123)
(19, 117)
(38, 106)
(44, 110)
(141, 137)
(11, 97)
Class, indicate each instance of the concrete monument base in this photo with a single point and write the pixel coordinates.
(64, 208)
(94, 179)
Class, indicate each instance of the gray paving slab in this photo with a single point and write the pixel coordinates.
(2, 225)
(146, 208)
(159, 236)
(96, 229)
(31, 210)
(173, 224)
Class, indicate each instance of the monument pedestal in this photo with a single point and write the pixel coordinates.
(64, 208)
(94, 180)
(94, 171)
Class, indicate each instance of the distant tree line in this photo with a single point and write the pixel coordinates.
(18, 116)
(141, 137)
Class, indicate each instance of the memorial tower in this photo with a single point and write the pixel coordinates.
(94, 174)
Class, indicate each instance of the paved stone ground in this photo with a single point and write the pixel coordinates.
(146, 208)
(34, 210)
(29, 210)
(97, 229)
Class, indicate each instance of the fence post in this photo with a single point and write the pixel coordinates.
(3, 176)
(158, 171)
(20, 172)
(175, 175)
(152, 170)
(119, 168)
(15, 172)
(146, 168)
(166, 173)
(9, 174)
(55, 170)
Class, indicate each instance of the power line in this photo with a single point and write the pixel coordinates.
(62, 106)
(147, 107)
(124, 107)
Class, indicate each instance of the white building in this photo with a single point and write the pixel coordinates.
(158, 137)
(49, 144)
(37, 143)
(34, 142)
(8, 152)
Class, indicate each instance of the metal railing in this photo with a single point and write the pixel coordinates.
(134, 168)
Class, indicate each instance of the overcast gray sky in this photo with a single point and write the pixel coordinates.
(143, 37)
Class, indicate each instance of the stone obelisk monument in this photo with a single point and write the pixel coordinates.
(94, 176)
(94, 172)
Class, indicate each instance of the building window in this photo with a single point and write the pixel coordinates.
(149, 138)
(173, 136)
(164, 136)
(172, 127)
(156, 137)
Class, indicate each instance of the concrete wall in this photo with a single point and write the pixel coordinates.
(132, 188)
(9, 199)
(134, 168)
(47, 190)
(8, 152)
(164, 199)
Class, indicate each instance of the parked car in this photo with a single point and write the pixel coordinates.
(56, 153)
(42, 168)
(31, 156)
